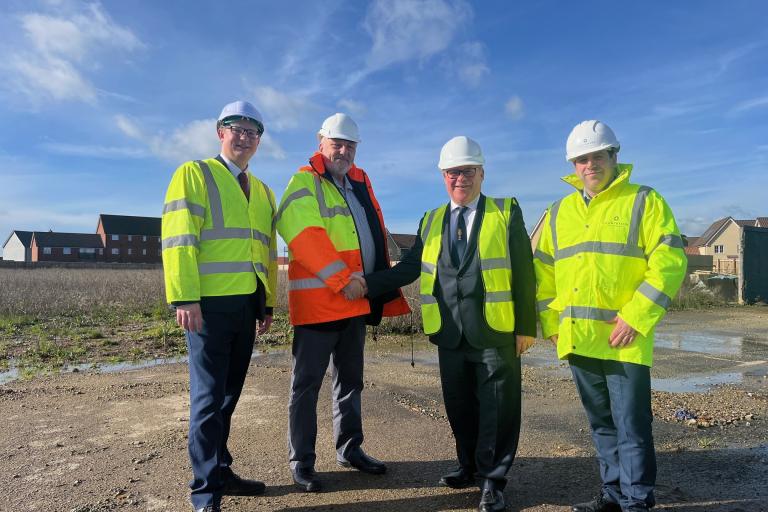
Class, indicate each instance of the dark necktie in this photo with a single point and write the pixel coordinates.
(460, 237)
(243, 179)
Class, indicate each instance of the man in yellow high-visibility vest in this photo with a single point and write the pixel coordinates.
(220, 264)
(608, 263)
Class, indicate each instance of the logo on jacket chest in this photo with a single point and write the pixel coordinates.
(615, 221)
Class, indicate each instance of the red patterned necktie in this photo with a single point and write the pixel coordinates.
(243, 179)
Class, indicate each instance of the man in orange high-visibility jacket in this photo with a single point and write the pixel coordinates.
(335, 231)
(608, 263)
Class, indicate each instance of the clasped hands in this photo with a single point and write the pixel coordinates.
(356, 288)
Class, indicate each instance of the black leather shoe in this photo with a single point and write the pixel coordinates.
(209, 508)
(492, 499)
(233, 485)
(599, 504)
(306, 479)
(362, 462)
(459, 478)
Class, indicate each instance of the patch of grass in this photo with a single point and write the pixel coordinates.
(88, 333)
(109, 342)
(12, 323)
(707, 442)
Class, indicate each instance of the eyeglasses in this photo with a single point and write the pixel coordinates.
(239, 131)
(455, 173)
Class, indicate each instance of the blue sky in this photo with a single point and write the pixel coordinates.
(101, 101)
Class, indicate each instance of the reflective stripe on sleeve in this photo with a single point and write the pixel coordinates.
(179, 241)
(311, 283)
(675, 241)
(183, 204)
(331, 269)
(588, 313)
(224, 267)
(543, 304)
(293, 196)
(261, 237)
(656, 296)
(543, 257)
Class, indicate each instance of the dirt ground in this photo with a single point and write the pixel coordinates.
(87, 442)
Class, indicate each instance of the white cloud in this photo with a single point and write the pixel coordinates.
(404, 30)
(514, 108)
(354, 108)
(471, 63)
(57, 50)
(95, 151)
(281, 110)
(750, 104)
(191, 141)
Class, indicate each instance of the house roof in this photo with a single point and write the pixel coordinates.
(403, 241)
(693, 241)
(691, 249)
(54, 239)
(762, 222)
(129, 225)
(745, 222)
(712, 231)
(25, 237)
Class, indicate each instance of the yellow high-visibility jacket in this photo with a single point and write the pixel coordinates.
(495, 266)
(620, 255)
(215, 242)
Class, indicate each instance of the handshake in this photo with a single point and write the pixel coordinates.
(356, 288)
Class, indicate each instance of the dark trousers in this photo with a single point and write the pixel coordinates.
(481, 390)
(312, 349)
(219, 356)
(617, 399)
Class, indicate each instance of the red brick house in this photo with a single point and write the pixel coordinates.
(52, 246)
(129, 239)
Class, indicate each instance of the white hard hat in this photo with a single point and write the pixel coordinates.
(241, 110)
(339, 126)
(460, 151)
(588, 137)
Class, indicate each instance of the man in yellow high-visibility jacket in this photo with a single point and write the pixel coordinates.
(220, 264)
(608, 263)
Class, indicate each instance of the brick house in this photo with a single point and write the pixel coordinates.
(722, 241)
(399, 245)
(52, 246)
(129, 239)
(18, 246)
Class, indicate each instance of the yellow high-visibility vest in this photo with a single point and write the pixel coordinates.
(495, 266)
(620, 255)
(215, 242)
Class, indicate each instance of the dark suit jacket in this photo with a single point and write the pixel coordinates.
(465, 318)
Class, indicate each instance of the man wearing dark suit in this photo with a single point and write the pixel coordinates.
(478, 306)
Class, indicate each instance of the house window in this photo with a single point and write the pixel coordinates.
(130, 238)
(87, 251)
(130, 251)
(719, 249)
(143, 252)
(115, 237)
(46, 250)
(115, 251)
(144, 238)
(67, 250)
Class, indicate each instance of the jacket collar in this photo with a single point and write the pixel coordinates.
(318, 165)
(624, 171)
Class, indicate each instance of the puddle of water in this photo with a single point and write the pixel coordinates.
(13, 373)
(703, 342)
(754, 376)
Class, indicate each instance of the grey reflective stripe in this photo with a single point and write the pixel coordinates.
(293, 196)
(504, 296)
(493, 263)
(588, 313)
(260, 268)
(183, 204)
(330, 269)
(311, 283)
(261, 237)
(179, 241)
(656, 296)
(427, 267)
(675, 241)
(499, 203)
(225, 267)
(428, 225)
(214, 197)
(225, 233)
(324, 210)
(638, 210)
(428, 299)
(543, 304)
(553, 224)
(601, 248)
(273, 254)
(544, 257)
